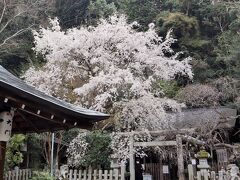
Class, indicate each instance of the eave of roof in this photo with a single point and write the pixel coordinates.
(19, 93)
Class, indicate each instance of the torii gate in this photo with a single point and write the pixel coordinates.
(180, 135)
(24, 109)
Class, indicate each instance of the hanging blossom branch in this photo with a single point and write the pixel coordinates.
(110, 68)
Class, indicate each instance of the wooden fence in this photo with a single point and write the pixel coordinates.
(90, 174)
(215, 176)
(18, 174)
(212, 175)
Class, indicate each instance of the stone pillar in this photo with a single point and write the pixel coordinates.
(5, 134)
(180, 158)
(123, 170)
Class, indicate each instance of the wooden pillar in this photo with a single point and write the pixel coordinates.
(2, 158)
(28, 158)
(161, 166)
(5, 133)
(131, 158)
(180, 158)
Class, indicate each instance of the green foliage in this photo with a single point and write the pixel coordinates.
(228, 54)
(14, 157)
(101, 9)
(169, 88)
(82, 12)
(17, 141)
(35, 149)
(142, 11)
(98, 150)
(90, 149)
(37, 175)
(72, 13)
(197, 25)
(68, 136)
(195, 44)
(182, 25)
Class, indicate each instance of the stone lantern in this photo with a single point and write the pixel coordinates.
(233, 171)
(203, 165)
(202, 156)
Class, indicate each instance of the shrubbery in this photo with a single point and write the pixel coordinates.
(199, 95)
(37, 175)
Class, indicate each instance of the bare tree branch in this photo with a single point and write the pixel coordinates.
(11, 11)
(16, 34)
(227, 145)
(3, 11)
(236, 132)
(9, 21)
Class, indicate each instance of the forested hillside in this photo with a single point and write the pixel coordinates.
(206, 30)
(17, 18)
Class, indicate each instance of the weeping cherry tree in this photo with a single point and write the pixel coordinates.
(110, 68)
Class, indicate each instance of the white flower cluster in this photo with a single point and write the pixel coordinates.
(120, 145)
(111, 68)
(147, 113)
(102, 60)
(77, 150)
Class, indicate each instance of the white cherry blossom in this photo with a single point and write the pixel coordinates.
(110, 68)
